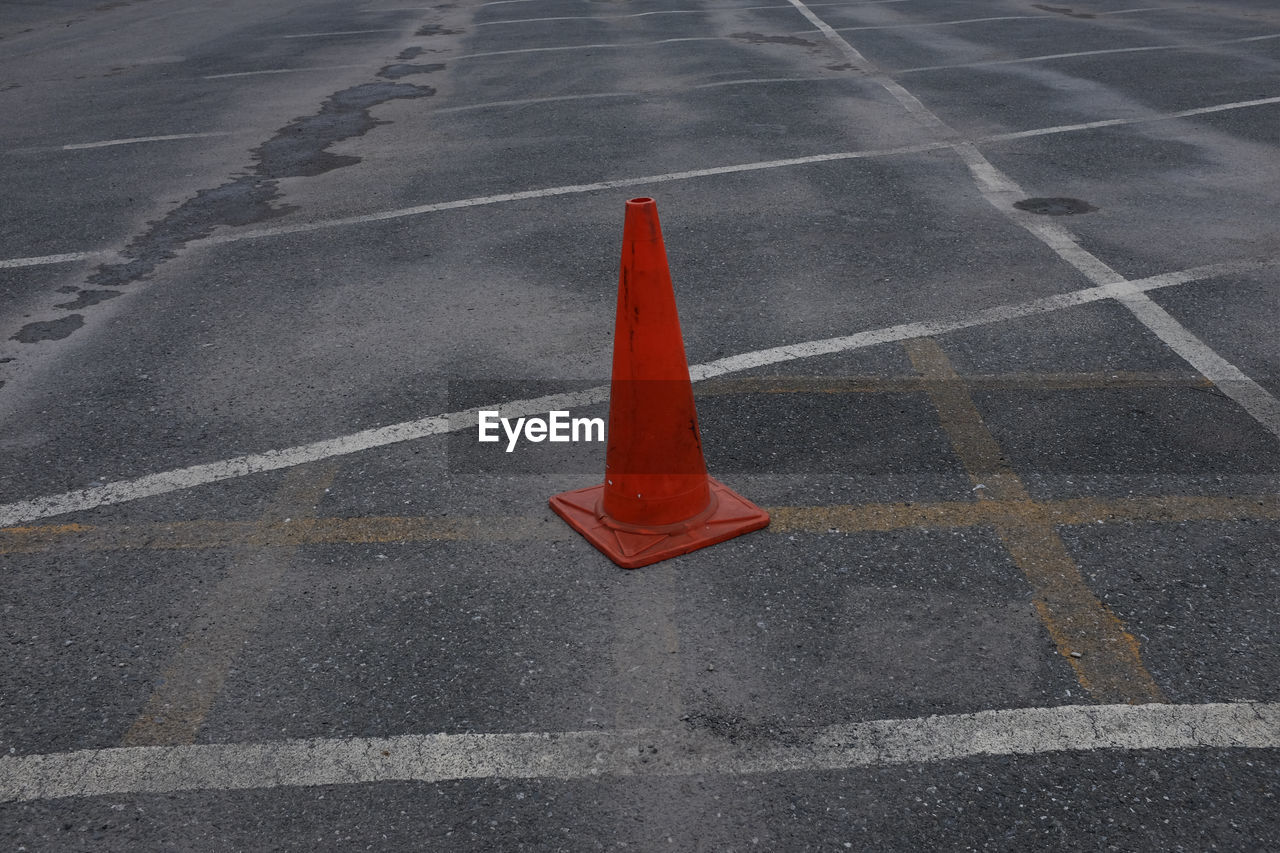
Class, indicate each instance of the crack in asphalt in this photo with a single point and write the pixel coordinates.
(297, 150)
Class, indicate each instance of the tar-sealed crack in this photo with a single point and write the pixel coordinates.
(87, 298)
(298, 150)
(405, 69)
(51, 330)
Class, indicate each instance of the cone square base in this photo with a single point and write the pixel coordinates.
(631, 546)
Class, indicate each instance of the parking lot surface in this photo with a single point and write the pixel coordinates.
(979, 299)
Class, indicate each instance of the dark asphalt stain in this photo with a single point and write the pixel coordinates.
(395, 72)
(436, 30)
(1062, 10)
(87, 298)
(757, 38)
(411, 52)
(52, 330)
(1054, 206)
(297, 150)
(843, 66)
(240, 202)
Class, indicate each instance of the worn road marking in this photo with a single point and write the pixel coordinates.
(619, 183)
(282, 71)
(1022, 381)
(839, 518)
(338, 33)
(193, 677)
(1079, 53)
(1001, 192)
(64, 258)
(664, 752)
(1103, 654)
(122, 491)
(79, 146)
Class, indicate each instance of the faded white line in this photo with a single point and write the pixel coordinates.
(729, 8)
(523, 102)
(595, 17)
(136, 139)
(654, 752)
(1052, 56)
(338, 33)
(124, 491)
(603, 46)
(1001, 192)
(282, 71)
(1228, 378)
(701, 11)
(918, 24)
(418, 210)
(1115, 122)
(64, 258)
(572, 189)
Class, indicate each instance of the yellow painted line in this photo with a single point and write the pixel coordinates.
(193, 677)
(1106, 657)
(840, 518)
(1024, 381)
(1162, 508)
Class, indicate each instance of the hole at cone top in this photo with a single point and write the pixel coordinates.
(641, 200)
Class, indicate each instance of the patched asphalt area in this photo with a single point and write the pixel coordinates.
(1051, 498)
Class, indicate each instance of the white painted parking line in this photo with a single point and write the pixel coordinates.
(1116, 122)
(548, 192)
(657, 752)
(64, 258)
(920, 24)
(281, 71)
(592, 17)
(79, 146)
(339, 33)
(1048, 57)
(600, 46)
(1001, 192)
(418, 210)
(702, 11)
(124, 491)
(524, 102)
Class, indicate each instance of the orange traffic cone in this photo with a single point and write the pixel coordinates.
(656, 501)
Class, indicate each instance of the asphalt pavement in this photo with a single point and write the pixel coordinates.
(980, 300)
